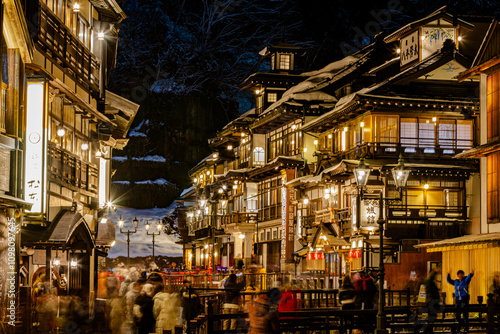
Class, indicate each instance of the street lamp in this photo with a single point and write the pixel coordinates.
(135, 223)
(159, 227)
(400, 174)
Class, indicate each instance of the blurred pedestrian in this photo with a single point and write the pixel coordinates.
(190, 302)
(288, 302)
(347, 294)
(166, 310)
(143, 310)
(495, 288)
(462, 295)
(263, 320)
(433, 299)
(231, 300)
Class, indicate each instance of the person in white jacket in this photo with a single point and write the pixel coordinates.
(166, 310)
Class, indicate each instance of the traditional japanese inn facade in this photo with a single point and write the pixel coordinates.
(279, 188)
(59, 126)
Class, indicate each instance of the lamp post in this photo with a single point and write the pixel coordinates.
(159, 227)
(135, 223)
(400, 175)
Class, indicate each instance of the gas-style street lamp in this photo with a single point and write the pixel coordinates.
(135, 223)
(159, 227)
(400, 174)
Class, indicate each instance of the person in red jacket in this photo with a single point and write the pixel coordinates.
(288, 302)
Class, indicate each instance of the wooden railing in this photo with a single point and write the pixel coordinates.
(57, 41)
(417, 212)
(483, 319)
(409, 149)
(238, 218)
(70, 169)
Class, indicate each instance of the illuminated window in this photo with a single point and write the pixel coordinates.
(493, 105)
(493, 185)
(258, 156)
(284, 62)
(272, 97)
(386, 129)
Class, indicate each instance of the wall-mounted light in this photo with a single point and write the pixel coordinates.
(60, 131)
(73, 263)
(206, 246)
(100, 36)
(224, 187)
(329, 136)
(214, 155)
(315, 142)
(76, 7)
(327, 195)
(422, 37)
(243, 141)
(434, 119)
(426, 186)
(215, 254)
(56, 261)
(294, 127)
(305, 149)
(360, 243)
(362, 124)
(241, 236)
(346, 129)
(243, 134)
(459, 38)
(305, 200)
(398, 50)
(235, 186)
(195, 180)
(257, 91)
(103, 220)
(85, 146)
(220, 190)
(229, 147)
(208, 172)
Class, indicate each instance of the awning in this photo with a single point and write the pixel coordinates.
(472, 239)
(68, 230)
(479, 151)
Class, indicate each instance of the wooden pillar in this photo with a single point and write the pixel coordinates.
(48, 255)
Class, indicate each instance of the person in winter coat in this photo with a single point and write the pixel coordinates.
(124, 286)
(116, 310)
(347, 294)
(190, 302)
(462, 296)
(495, 288)
(231, 299)
(134, 290)
(365, 292)
(143, 310)
(166, 310)
(262, 319)
(433, 299)
(288, 302)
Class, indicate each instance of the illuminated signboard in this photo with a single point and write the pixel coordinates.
(35, 147)
(409, 48)
(433, 39)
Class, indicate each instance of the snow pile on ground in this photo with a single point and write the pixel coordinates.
(140, 242)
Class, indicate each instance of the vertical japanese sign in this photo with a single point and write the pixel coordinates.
(35, 146)
(287, 218)
(409, 46)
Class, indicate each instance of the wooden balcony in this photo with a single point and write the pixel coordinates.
(426, 222)
(408, 149)
(426, 212)
(56, 40)
(238, 219)
(70, 170)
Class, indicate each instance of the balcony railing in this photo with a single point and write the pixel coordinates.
(424, 212)
(239, 218)
(57, 41)
(386, 149)
(70, 169)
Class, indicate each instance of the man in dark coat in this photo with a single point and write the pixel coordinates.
(190, 302)
(433, 299)
(262, 319)
(231, 299)
(143, 310)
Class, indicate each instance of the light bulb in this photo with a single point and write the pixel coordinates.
(243, 134)
(215, 254)
(241, 236)
(329, 136)
(345, 129)
(100, 36)
(327, 196)
(315, 142)
(426, 186)
(98, 154)
(422, 38)
(214, 155)
(85, 146)
(362, 124)
(459, 38)
(224, 187)
(398, 50)
(104, 220)
(61, 132)
(57, 262)
(294, 127)
(206, 246)
(76, 7)
(221, 190)
(306, 201)
(229, 147)
(305, 149)
(434, 119)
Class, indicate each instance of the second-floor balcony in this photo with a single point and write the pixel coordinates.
(56, 40)
(238, 221)
(422, 149)
(70, 170)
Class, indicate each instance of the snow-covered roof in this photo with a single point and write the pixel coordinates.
(185, 191)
